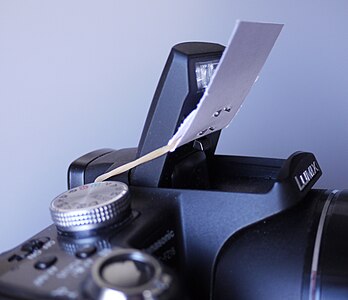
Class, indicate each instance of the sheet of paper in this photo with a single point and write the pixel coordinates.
(239, 67)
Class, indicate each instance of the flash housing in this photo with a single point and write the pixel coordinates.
(179, 91)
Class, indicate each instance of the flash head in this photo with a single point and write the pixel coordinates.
(188, 71)
(204, 73)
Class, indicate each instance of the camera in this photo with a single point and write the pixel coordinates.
(190, 224)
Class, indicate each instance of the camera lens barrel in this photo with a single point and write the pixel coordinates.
(129, 274)
(329, 270)
(300, 253)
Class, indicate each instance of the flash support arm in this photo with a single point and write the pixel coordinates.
(179, 90)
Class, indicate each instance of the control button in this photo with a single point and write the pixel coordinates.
(15, 257)
(130, 274)
(34, 244)
(44, 239)
(45, 262)
(86, 252)
(127, 273)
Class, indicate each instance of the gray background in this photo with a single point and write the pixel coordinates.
(79, 75)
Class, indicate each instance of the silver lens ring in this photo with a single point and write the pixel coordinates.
(313, 294)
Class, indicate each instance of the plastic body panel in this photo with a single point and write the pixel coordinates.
(197, 222)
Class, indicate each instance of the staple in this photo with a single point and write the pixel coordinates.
(202, 132)
(217, 113)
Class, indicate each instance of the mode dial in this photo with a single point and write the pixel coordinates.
(91, 206)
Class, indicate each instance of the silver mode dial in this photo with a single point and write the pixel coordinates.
(91, 206)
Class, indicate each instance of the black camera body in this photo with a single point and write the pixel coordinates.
(196, 225)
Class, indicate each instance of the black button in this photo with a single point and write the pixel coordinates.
(86, 252)
(34, 244)
(44, 239)
(15, 257)
(45, 262)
